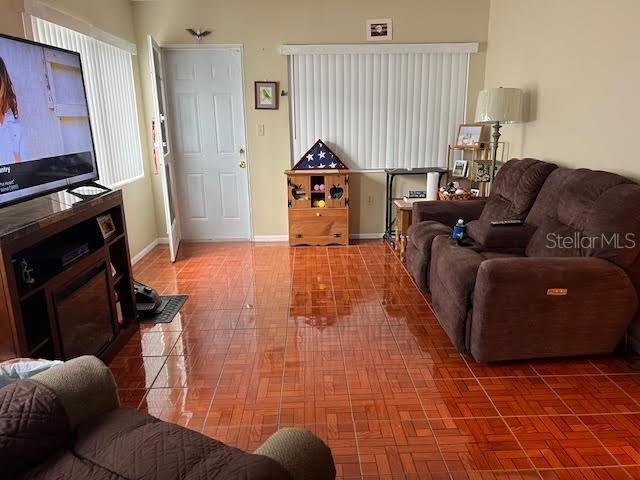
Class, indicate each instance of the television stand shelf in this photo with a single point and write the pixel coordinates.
(66, 290)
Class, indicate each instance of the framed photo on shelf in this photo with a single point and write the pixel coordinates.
(483, 171)
(470, 135)
(107, 227)
(266, 95)
(460, 168)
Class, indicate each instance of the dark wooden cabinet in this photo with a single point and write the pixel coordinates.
(55, 307)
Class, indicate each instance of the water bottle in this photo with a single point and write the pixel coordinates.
(459, 230)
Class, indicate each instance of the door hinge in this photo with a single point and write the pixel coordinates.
(289, 204)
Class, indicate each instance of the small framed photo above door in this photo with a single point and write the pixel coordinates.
(380, 29)
(266, 95)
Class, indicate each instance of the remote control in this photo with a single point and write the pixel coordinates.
(506, 223)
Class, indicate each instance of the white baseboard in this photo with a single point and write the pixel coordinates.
(163, 240)
(140, 255)
(270, 238)
(366, 236)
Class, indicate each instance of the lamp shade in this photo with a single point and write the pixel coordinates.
(502, 105)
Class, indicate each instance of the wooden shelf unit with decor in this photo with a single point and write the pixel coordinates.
(318, 217)
(65, 289)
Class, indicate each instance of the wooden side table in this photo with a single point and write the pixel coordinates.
(403, 221)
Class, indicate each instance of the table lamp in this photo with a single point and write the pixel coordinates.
(498, 106)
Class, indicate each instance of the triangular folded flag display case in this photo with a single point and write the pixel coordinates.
(318, 199)
(319, 157)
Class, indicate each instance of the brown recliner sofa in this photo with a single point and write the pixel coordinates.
(564, 284)
(66, 423)
(515, 189)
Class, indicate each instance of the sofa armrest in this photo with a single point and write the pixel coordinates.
(527, 307)
(301, 453)
(84, 386)
(447, 212)
(505, 237)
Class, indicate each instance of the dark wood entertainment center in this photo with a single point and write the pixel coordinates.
(65, 289)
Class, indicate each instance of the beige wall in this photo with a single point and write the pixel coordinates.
(262, 29)
(115, 18)
(579, 64)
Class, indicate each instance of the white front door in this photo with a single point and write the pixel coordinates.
(206, 101)
(162, 150)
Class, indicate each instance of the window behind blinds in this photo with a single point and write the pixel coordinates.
(393, 109)
(108, 76)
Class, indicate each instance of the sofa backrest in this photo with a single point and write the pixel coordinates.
(587, 213)
(515, 188)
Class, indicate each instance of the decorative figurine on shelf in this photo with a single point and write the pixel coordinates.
(316, 187)
(322, 204)
(322, 187)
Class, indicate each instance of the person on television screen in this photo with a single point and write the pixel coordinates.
(11, 142)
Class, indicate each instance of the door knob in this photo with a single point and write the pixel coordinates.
(242, 164)
(242, 151)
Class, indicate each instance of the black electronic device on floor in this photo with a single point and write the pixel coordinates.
(148, 301)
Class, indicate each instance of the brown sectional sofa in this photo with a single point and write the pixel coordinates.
(517, 292)
(66, 423)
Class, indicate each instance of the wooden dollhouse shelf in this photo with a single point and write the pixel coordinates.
(318, 215)
(318, 198)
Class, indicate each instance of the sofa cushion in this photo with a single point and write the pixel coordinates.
(587, 213)
(64, 465)
(515, 189)
(135, 445)
(421, 234)
(33, 425)
(418, 254)
(453, 277)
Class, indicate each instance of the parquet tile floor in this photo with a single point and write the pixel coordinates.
(340, 341)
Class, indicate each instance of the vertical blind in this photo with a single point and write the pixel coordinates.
(378, 110)
(108, 76)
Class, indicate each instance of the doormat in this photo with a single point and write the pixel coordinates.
(168, 309)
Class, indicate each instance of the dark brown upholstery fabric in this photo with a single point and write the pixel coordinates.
(596, 215)
(64, 465)
(123, 444)
(453, 279)
(501, 237)
(418, 254)
(515, 189)
(447, 212)
(514, 317)
(33, 425)
(136, 446)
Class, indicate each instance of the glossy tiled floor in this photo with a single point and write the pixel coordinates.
(340, 341)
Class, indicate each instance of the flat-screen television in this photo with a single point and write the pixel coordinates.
(46, 143)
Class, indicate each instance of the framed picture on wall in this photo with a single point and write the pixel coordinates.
(470, 135)
(266, 95)
(379, 29)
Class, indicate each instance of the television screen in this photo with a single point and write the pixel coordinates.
(45, 136)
